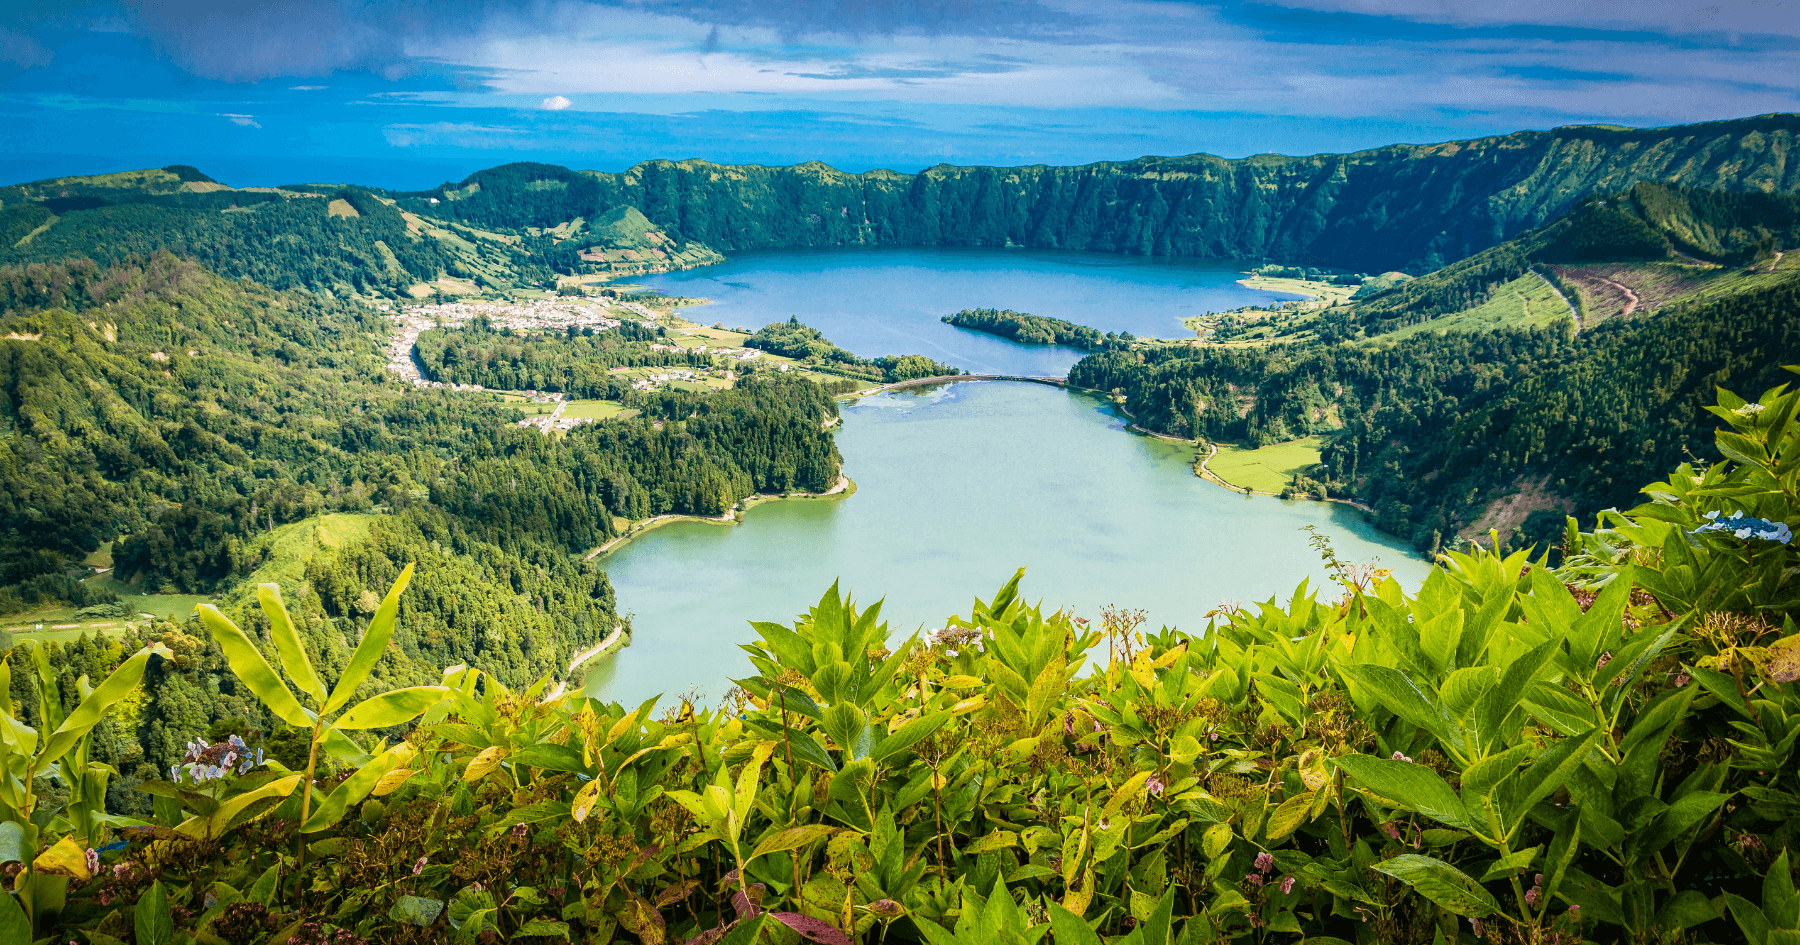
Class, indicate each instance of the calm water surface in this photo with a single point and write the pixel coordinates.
(958, 486)
(889, 301)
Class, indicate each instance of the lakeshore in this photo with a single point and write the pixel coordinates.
(843, 489)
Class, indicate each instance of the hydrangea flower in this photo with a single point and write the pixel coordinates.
(1744, 527)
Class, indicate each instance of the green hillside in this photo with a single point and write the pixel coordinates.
(1537, 378)
(342, 239)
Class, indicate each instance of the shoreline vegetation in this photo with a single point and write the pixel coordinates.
(843, 489)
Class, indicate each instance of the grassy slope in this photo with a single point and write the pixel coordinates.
(1525, 301)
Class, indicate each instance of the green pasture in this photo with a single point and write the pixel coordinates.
(1268, 469)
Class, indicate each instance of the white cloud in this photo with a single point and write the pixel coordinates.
(555, 103)
(247, 121)
(306, 88)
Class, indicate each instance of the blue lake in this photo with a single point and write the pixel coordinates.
(890, 301)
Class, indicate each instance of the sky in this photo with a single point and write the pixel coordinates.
(412, 93)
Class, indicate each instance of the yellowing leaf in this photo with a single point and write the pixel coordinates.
(1288, 817)
(487, 761)
(964, 682)
(391, 781)
(65, 858)
(585, 799)
(968, 705)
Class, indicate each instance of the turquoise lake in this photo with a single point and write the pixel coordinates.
(890, 301)
(958, 485)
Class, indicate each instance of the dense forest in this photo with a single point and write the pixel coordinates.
(1038, 329)
(189, 422)
(578, 362)
(1412, 207)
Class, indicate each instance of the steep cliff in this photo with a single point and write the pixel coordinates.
(1403, 206)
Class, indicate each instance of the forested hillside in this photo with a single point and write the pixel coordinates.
(1459, 431)
(192, 423)
(1403, 206)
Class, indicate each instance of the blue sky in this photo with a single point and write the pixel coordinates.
(409, 93)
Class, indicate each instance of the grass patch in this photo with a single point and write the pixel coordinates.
(289, 547)
(598, 410)
(1268, 469)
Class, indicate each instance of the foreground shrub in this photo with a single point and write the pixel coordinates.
(1512, 754)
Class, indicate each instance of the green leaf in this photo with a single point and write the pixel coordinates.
(1216, 839)
(394, 707)
(14, 925)
(355, 788)
(93, 708)
(1749, 918)
(1441, 883)
(1689, 908)
(374, 643)
(417, 910)
(1069, 928)
(1044, 691)
(1400, 695)
(1525, 788)
(1507, 865)
(1681, 817)
(745, 931)
(287, 643)
(793, 838)
(908, 735)
(1409, 786)
(248, 665)
(12, 842)
(1779, 902)
(154, 924)
(1514, 684)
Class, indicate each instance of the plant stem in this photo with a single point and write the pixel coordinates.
(312, 759)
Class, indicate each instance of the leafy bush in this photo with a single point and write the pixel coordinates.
(1514, 753)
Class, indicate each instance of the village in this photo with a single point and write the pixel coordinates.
(552, 315)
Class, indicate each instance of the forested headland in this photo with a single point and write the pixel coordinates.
(1038, 329)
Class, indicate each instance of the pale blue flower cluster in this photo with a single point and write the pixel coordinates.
(1744, 527)
(204, 762)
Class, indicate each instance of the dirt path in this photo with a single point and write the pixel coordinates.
(1631, 298)
(583, 656)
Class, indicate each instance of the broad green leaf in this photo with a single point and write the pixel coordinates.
(394, 707)
(1523, 789)
(1409, 786)
(1441, 883)
(155, 926)
(1044, 691)
(356, 787)
(1689, 908)
(793, 838)
(93, 708)
(1400, 695)
(248, 665)
(1681, 817)
(374, 643)
(1515, 682)
(1749, 918)
(1216, 839)
(287, 643)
